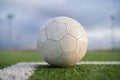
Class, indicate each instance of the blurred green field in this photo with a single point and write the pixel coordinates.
(7, 58)
(79, 72)
(102, 56)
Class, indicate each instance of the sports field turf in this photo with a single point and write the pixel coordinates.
(7, 58)
(79, 72)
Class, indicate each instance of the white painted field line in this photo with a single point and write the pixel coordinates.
(79, 63)
(99, 62)
(22, 71)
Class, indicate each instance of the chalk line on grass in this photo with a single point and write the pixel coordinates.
(22, 71)
(99, 62)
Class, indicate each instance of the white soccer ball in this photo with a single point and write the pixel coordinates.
(62, 41)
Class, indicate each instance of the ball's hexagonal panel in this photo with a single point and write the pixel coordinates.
(68, 58)
(63, 19)
(47, 23)
(56, 31)
(51, 51)
(75, 29)
(42, 37)
(81, 47)
(68, 43)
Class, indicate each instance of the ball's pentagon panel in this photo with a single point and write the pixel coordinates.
(74, 29)
(81, 47)
(42, 37)
(56, 31)
(68, 43)
(51, 50)
(63, 19)
(66, 60)
(47, 24)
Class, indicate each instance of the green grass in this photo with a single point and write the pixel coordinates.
(7, 58)
(80, 72)
(102, 56)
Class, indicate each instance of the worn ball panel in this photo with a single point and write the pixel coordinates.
(81, 47)
(47, 24)
(74, 28)
(68, 43)
(62, 41)
(51, 50)
(68, 58)
(42, 37)
(64, 19)
(60, 28)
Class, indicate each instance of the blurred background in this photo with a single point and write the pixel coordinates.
(20, 21)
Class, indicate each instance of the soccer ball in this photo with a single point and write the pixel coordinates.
(62, 41)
